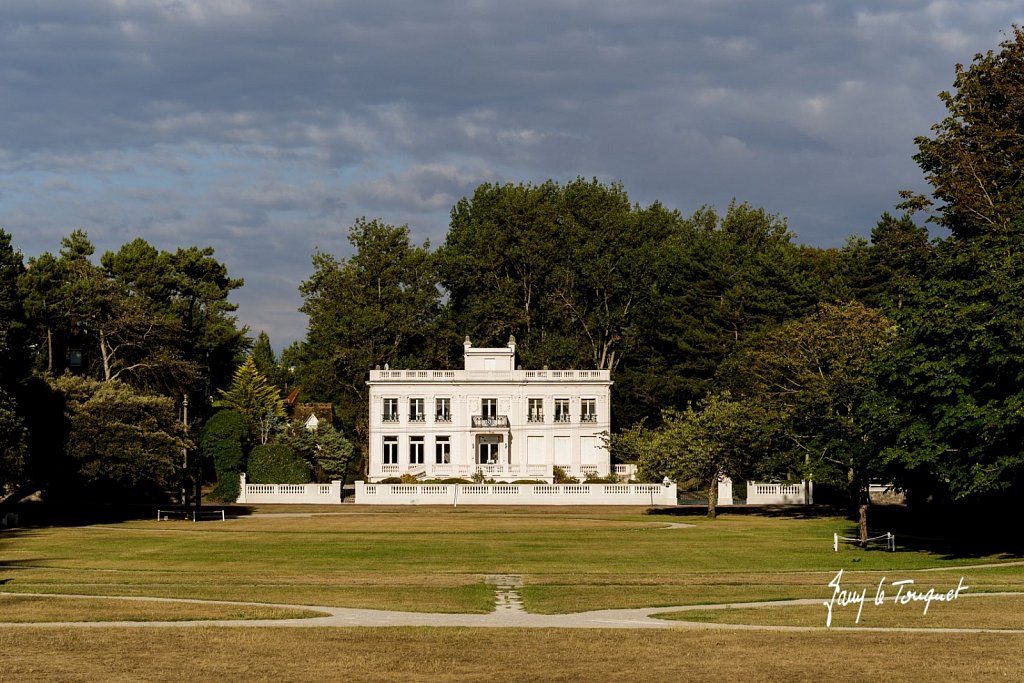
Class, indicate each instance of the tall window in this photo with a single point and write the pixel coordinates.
(390, 450)
(489, 407)
(415, 450)
(535, 413)
(390, 410)
(488, 454)
(562, 410)
(416, 411)
(443, 409)
(442, 450)
(588, 410)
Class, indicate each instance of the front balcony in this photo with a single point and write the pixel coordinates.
(490, 421)
(389, 417)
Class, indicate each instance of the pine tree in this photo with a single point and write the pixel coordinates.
(263, 356)
(253, 396)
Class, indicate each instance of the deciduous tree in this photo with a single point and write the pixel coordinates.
(721, 437)
(817, 375)
(957, 406)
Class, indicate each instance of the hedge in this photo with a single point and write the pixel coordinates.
(277, 464)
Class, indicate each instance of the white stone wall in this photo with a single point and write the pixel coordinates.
(318, 494)
(515, 494)
(801, 493)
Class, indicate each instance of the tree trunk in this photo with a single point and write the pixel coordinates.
(105, 354)
(864, 501)
(713, 499)
(49, 350)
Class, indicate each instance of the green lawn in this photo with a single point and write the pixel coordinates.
(434, 559)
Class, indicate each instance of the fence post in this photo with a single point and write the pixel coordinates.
(835, 542)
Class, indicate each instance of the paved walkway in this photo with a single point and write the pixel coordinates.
(509, 613)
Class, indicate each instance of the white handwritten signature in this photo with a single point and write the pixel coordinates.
(842, 597)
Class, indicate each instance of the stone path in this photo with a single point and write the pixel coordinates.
(508, 614)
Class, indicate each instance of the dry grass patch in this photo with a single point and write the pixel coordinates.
(37, 609)
(547, 594)
(996, 612)
(440, 593)
(446, 655)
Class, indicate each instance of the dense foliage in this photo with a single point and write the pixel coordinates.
(326, 449)
(223, 442)
(119, 442)
(117, 347)
(954, 383)
(277, 463)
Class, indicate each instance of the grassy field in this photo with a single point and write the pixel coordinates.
(435, 560)
(440, 655)
(41, 609)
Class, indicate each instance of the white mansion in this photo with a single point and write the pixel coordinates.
(508, 424)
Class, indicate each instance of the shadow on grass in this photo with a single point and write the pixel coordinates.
(787, 511)
(953, 533)
(42, 514)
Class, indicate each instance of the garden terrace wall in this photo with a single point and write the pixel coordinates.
(316, 494)
(759, 493)
(515, 494)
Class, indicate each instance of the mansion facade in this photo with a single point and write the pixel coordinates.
(491, 418)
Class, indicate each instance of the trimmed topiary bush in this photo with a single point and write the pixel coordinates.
(277, 464)
(222, 441)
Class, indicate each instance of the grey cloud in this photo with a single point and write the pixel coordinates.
(264, 127)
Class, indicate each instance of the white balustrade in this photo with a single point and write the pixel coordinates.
(759, 493)
(515, 494)
(325, 494)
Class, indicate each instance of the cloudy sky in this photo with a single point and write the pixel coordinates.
(263, 128)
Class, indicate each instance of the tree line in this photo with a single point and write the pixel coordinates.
(98, 360)
(734, 350)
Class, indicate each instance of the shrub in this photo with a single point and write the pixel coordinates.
(222, 442)
(390, 480)
(277, 464)
(407, 478)
(562, 477)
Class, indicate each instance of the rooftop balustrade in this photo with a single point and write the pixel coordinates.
(490, 376)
